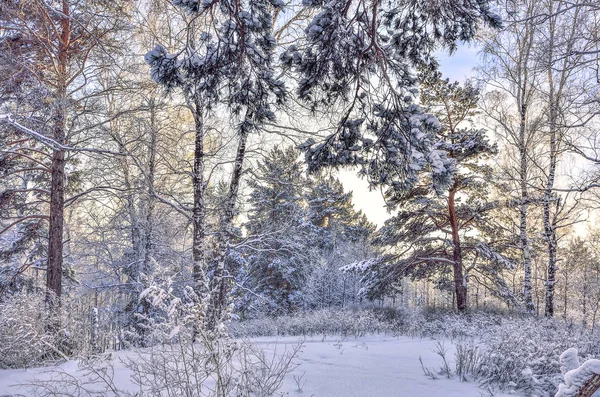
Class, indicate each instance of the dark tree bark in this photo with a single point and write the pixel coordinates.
(457, 265)
(55, 232)
(199, 209)
(57, 188)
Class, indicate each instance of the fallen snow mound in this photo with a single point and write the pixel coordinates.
(576, 376)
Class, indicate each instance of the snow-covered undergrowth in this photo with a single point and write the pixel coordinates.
(498, 351)
(323, 322)
(28, 335)
(493, 351)
(216, 368)
(515, 352)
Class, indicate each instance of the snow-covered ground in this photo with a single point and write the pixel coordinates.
(373, 366)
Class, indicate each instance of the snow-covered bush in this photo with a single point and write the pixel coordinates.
(349, 322)
(467, 360)
(515, 352)
(182, 358)
(93, 377)
(31, 334)
(439, 323)
(211, 368)
(501, 351)
(222, 369)
(187, 359)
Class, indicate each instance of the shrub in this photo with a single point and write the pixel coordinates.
(355, 323)
(510, 352)
(33, 335)
(500, 350)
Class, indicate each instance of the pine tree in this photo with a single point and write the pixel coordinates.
(22, 228)
(328, 203)
(279, 233)
(342, 237)
(301, 233)
(50, 46)
(359, 57)
(228, 60)
(433, 233)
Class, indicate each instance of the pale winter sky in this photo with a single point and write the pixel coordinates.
(459, 67)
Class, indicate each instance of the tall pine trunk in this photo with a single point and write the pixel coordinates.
(57, 187)
(459, 279)
(56, 226)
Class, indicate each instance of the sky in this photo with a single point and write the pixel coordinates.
(458, 66)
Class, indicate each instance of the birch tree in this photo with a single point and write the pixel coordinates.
(559, 35)
(534, 73)
(512, 74)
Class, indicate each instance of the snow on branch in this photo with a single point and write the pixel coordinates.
(51, 143)
(579, 380)
(22, 220)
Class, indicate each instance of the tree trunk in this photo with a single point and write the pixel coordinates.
(549, 227)
(566, 296)
(57, 187)
(149, 227)
(524, 91)
(568, 36)
(523, 210)
(199, 211)
(524, 239)
(55, 232)
(584, 312)
(459, 280)
(94, 328)
(135, 231)
(220, 283)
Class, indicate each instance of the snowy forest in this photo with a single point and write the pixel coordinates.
(243, 198)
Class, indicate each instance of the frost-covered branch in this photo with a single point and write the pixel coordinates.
(51, 143)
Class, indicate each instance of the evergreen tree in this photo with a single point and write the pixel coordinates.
(227, 60)
(359, 57)
(443, 234)
(342, 236)
(278, 232)
(23, 225)
(301, 232)
(328, 203)
(55, 50)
